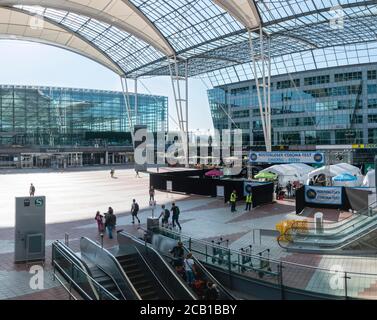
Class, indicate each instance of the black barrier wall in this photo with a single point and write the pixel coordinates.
(355, 199)
(195, 182)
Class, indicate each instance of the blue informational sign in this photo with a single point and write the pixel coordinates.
(287, 157)
(323, 195)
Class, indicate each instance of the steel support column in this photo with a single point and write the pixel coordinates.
(126, 97)
(261, 66)
(180, 91)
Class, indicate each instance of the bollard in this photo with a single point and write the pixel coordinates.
(66, 239)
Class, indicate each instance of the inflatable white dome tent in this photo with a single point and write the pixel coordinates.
(290, 172)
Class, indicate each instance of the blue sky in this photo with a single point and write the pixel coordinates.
(27, 63)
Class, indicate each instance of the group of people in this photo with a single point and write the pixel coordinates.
(185, 266)
(233, 201)
(106, 221)
(165, 216)
(290, 189)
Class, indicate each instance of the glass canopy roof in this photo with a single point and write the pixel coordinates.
(138, 35)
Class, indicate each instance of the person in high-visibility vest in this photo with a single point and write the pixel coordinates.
(233, 199)
(249, 201)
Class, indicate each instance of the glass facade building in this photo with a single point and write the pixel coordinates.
(48, 116)
(329, 106)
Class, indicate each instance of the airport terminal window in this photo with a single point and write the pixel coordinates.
(372, 135)
(323, 137)
(288, 84)
(350, 136)
(238, 91)
(62, 116)
(289, 138)
(372, 88)
(241, 114)
(372, 74)
(372, 103)
(348, 76)
(316, 80)
(372, 118)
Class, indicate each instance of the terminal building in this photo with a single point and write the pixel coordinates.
(62, 127)
(334, 107)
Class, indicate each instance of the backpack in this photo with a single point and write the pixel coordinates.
(136, 208)
(166, 214)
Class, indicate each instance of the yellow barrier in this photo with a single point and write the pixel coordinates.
(284, 227)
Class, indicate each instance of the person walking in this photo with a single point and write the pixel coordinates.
(233, 199)
(135, 211)
(99, 219)
(151, 193)
(190, 269)
(249, 201)
(289, 189)
(165, 215)
(175, 217)
(112, 173)
(110, 222)
(137, 173)
(32, 190)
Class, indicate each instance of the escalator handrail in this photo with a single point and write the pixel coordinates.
(118, 266)
(211, 277)
(350, 218)
(154, 274)
(179, 279)
(339, 232)
(81, 266)
(71, 257)
(112, 279)
(293, 227)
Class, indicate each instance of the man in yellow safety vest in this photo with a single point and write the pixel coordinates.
(249, 201)
(233, 199)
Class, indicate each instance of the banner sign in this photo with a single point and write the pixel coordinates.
(323, 195)
(287, 157)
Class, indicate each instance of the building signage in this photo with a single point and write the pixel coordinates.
(287, 157)
(323, 195)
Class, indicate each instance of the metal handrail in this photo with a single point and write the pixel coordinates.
(112, 279)
(351, 217)
(70, 282)
(154, 274)
(84, 272)
(179, 279)
(275, 260)
(212, 278)
(119, 267)
(230, 253)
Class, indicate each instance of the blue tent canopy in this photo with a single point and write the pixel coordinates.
(344, 177)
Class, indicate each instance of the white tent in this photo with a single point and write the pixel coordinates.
(370, 179)
(290, 172)
(337, 169)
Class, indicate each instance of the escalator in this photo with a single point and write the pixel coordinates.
(359, 232)
(138, 270)
(152, 252)
(144, 283)
(105, 281)
(88, 281)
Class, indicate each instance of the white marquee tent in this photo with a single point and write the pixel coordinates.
(338, 169)
(290, 172)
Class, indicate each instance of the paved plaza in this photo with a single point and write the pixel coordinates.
(73, 197)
